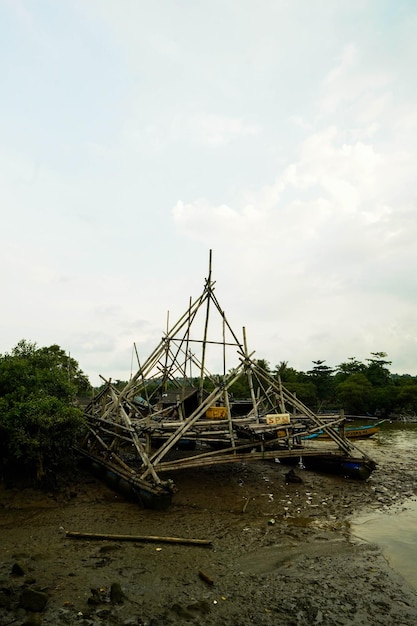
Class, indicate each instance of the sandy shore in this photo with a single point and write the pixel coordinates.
(281, 553)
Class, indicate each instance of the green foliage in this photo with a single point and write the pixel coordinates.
(321, 376)
(29, 369)
(240, 388)
(367, 388)
(406, 400)
(354, 394)
(384, 400)
(349, 367)
(38, 422)
(305, 391)
(377, 371)
(263, 365)
(285, 373)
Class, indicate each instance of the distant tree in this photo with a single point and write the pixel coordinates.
(29, 368)
(384, 400)
(263, 365)
(285, 373)
(377, 371)
(355, 394)
(209, 383)
(347, 368)
(240, 388)
(39, 423)
(321, 376)
(119, 384)
(304, 390)
(407, 396)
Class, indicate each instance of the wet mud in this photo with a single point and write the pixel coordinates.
(280, 554)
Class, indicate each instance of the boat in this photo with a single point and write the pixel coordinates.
(351, 432)
(349, 467)
(155, 497)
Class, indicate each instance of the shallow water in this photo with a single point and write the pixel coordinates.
(395, 530)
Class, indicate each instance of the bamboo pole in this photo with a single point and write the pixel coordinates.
(250, 378)
(139, 447)
(226, 392)
(139, 538)
(281, 396)
(246, 457)
(187, 346)
(147, 437)
(204, 348)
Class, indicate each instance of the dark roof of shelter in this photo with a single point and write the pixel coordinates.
(171, 396)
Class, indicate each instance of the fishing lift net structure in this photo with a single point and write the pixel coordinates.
(174, 414)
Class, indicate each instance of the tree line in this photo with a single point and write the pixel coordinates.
(359, 388)
(41, 419)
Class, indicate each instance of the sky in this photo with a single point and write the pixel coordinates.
(137, 136)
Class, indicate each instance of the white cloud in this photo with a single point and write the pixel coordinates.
(203, 129)
(202, 221)
(349, 81)
(330, 236)
(281, 136)
(337, 190)
(217, 129)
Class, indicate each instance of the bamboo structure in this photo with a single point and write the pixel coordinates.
(165, 420)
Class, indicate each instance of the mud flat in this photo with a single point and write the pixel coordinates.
(281, 553)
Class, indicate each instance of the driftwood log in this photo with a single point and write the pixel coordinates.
(144, 538)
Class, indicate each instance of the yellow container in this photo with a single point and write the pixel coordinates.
(216, 412)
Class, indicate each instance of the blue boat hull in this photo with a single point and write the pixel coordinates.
(358, 469)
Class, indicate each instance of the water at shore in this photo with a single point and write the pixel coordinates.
(394, 530)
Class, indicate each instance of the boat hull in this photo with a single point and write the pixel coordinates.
(348, 467)
(360, 432)
(358, 469)
(147, 495)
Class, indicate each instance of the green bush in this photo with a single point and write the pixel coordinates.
(39, 424)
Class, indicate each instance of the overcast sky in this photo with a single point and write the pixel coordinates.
(135, 136)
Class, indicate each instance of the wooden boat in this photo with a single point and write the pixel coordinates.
(127, 483)
(351, 432)
(357, 468)
(349, 467)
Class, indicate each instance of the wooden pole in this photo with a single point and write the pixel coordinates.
(187, 348)
(144, 538)
(250, 378)
(204, 346)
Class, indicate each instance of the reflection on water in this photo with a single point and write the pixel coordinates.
(400, 436)
(395, 532)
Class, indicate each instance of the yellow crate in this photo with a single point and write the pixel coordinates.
(216, 412)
